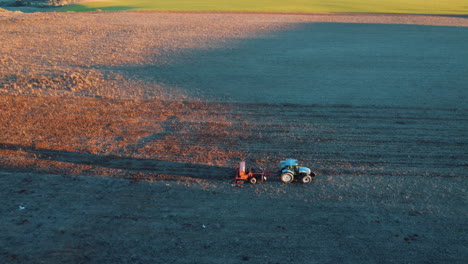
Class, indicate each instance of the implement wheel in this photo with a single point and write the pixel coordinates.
(253, 180)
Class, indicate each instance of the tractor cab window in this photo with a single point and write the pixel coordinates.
(294, 168)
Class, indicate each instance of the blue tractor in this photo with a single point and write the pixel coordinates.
(291, 171)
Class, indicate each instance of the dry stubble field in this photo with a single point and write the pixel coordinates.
(120, 132)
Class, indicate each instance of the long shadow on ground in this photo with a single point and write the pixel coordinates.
(326, 63)
(170, 169)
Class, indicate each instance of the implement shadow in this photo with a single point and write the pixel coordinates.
(174, 170)
(325, 63)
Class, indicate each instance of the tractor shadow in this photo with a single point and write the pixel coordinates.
(128, 165)
(168, 128)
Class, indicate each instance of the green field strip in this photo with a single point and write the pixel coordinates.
(459, 7)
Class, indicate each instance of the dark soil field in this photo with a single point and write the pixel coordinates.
(120, 133)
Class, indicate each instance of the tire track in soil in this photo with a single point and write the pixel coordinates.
(362, 140)
(201, 141)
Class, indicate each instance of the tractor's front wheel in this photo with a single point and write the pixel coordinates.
(306, 179)
(287, 177)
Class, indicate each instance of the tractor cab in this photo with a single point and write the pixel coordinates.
(290, 170)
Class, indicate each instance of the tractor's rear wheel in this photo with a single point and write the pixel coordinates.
(287, 177)
(306, 179)
(253, 180)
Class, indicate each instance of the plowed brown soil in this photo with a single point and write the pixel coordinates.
(120, 132)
